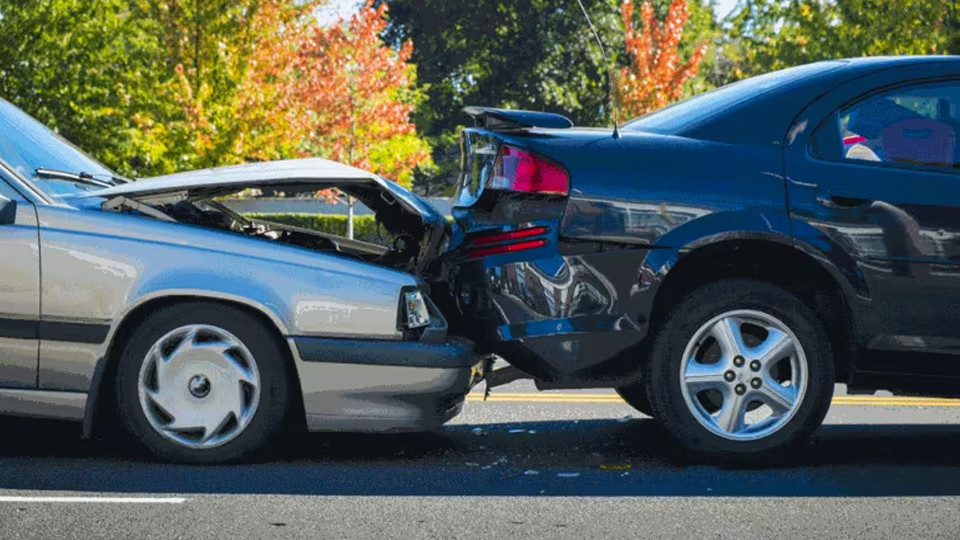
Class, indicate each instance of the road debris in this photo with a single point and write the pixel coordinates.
(517, 430)
(568, 474)
(530, 472)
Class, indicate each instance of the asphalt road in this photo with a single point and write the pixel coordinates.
(558, 465)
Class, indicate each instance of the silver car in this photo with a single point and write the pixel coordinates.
(206, 333)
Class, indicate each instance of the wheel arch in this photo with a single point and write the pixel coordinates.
(772, 258)
(103, 383)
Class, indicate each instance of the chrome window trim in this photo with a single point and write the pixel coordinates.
(23, 186)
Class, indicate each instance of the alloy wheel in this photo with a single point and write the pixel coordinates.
(743, 375)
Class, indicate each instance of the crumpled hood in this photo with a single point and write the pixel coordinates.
(397, 208)
(236, 177)
(289, 174)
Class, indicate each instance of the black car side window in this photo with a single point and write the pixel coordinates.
(916, 125)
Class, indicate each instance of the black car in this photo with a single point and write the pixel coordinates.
(724, 261)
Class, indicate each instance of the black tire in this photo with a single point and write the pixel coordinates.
(267, 350)
(637, 397)
(698, 308)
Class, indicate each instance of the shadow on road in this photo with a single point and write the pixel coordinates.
(583, 458)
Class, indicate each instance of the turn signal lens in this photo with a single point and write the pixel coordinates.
(516, 169)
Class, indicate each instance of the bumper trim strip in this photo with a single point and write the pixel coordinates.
(450, 354)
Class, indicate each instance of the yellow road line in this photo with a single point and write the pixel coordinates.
(875, 401)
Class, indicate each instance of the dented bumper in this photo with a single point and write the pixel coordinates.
(383, 386)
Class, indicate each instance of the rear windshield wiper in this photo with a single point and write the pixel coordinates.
(80, 177)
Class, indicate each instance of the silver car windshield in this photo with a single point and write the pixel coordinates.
(26, 145)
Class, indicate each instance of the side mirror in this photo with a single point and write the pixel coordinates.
(8, 211)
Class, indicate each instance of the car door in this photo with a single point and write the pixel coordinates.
(19, 288)
(879, 178)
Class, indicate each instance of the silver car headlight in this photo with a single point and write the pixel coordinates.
(416, 314)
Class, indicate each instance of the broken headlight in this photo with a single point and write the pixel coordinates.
(416, 314)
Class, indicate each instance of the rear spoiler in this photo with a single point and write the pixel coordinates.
(507, 119)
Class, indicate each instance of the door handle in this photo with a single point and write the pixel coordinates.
(839, 202)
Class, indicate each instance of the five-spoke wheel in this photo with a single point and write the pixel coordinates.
(740, 367)
(743, 373)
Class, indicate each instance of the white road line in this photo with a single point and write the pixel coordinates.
(113, 500)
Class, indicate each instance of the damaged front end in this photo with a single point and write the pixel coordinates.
(413, 236)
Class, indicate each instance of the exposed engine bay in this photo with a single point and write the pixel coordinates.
(398, 249)
(405, 241)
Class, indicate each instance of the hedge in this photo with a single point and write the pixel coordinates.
(364, 227)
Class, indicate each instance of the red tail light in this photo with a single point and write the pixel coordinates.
(480, 246)
(507, 236)
(517, 169)
(506, 248)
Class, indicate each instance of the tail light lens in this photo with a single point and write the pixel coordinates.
(506, 248)
(516, 169)
(506, 242)
(507, 236)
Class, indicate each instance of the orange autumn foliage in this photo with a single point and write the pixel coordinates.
(656, 74)
(337, 92)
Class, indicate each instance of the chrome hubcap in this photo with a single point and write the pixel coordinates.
(743, 375)
(199, 386)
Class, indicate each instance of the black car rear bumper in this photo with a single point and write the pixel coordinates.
(555, 316)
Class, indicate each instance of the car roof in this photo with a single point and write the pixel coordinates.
(898, 60)
(768, 116)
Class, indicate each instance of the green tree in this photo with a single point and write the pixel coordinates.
(872, 27)
(147, 86)
(766, 35)
(533, 54)
(85, 68)
(208, 48)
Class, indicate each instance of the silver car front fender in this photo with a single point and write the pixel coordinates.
(98, 267)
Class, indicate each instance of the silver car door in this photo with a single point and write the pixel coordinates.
(19, 290)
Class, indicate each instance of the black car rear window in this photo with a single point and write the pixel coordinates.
(694, 111)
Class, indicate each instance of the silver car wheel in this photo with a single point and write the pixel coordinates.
(743, 375)
(199, 386)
